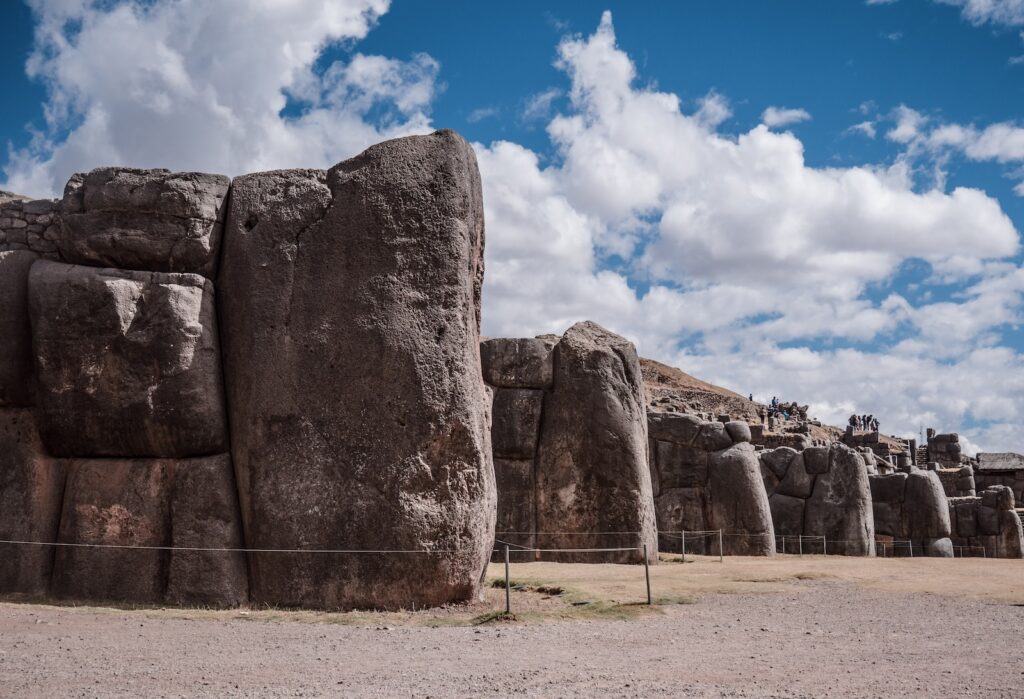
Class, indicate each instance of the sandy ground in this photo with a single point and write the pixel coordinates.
(782, 627)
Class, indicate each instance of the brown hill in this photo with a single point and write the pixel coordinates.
(670, 388)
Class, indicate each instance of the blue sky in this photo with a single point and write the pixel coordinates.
(815, 200)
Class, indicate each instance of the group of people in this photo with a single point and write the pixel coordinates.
(777, 408)
(864, 423)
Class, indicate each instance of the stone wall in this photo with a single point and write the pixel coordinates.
(944, 449)
(956, 482)
(29, 224)
(987, 522)
(820, 492)
(912, 506)
(348, 411)
(569, 438)
(705, 477)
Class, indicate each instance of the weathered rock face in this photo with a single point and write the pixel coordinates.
(15, 332)
(821, 492)
(517, 362)
(166, 503)
(31, 488)
(127, 363)
(912, 509)
(839, 507)
(204, 514)
(592, 474)
(706, 478)
(152, 220)
(350, 322)
(987, 525)
(115, 503)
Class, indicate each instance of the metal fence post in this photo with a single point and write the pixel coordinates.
(721, 553)
(508, 588)
(800, 545)
(683, 534)
(647, 575)
(824, 546)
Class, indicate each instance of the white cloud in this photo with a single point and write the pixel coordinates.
(780, 116)
(482, 113)
(867, 128)
(741, 246)
(180, 85)
(1009, 13)
(539, 106)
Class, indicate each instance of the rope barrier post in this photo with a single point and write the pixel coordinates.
(800, 545)
(508, 588)
(824, 547)
(910, 545)
(721, 554)
(684, 546)
(647, 575)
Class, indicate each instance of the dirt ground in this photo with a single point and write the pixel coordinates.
(782, 627)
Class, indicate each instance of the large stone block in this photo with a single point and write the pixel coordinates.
(1010, 543)
(114, 505)
(966, 519)
(350, 304)
(31, 488)
(889, 487)
(840, 507)
(778, 460)
(797, 482)
(674, 427)
(152, 220)
(737, 502)
(888, 518)
(681, 510)
(787, 515)
(592, 473)
(516, 422)
(15, 331)
(515, 523)
(925, 510)
(127, 363)
(204, 514)
(512, 362)
(681, 466)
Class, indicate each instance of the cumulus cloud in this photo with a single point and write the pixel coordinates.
(721, 252)
(780, 116)
(1008, 13)
(180, 85)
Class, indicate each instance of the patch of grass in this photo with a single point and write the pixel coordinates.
(491, 617)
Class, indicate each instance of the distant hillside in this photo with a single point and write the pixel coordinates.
(668, 387)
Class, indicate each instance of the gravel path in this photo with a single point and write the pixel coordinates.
(823, 639)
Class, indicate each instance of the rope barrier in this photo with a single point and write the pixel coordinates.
(142, 547)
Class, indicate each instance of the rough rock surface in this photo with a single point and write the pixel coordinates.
(127, 363)
(350, 304)
(516, 422)
(840, 506)
(152, 220)
(707, 477)
(821, 492)
(925, 510)
(517, 362)
(592, 473)
(123, 502)
(31, 488)
(515, 522)
(204, 514)
(15, 332)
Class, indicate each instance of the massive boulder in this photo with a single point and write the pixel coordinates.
(839, 507)
(517, 362)
(925, 509)
(350, 304)
(707, 477)
(121, 510)
(15, 333)
(132, 523)
(592, 474)
(127, 363)
(31, 487)
(152, 220)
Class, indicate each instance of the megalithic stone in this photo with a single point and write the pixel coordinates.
(593, 480)
(350, 304)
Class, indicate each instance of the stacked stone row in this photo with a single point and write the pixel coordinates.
(345, 304)
(569, 436)
(29, 224)
(821, 492)
(987, 521)
(705, 477)
(120, 426)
